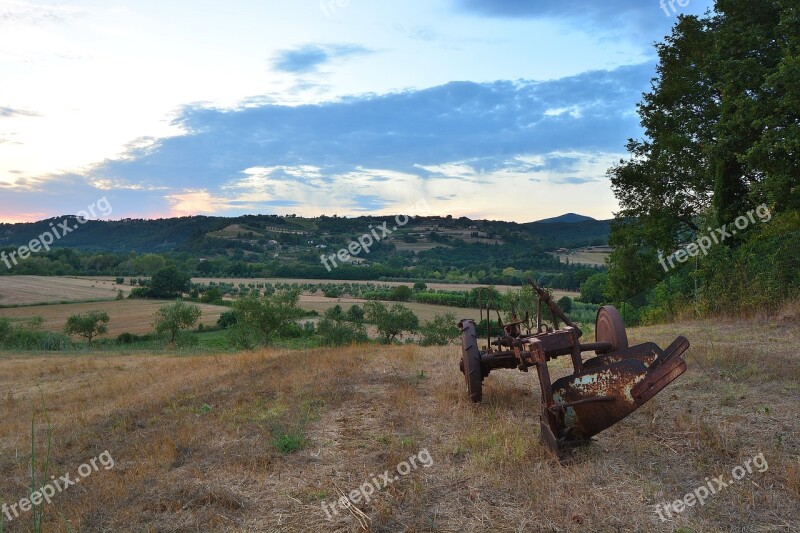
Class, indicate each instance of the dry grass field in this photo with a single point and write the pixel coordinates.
(258, 441)
(132, 316)
(590, 256)
(31, 290)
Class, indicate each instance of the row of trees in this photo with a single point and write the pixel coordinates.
(259, 320)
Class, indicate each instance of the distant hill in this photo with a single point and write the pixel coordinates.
(254, 233)
(568, 218)
(429, 248)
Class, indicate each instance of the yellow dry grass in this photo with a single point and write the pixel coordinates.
(191, 437)
(29, 290)
(584, 257)
(132, 316)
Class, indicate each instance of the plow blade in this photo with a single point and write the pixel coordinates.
(614, 386)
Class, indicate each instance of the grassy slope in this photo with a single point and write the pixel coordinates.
(181, 466)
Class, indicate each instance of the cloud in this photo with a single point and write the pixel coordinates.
(573, 180)
(7, 112)
(310, 58)
(17, 12)
(455, 145)
(642, 20)
(489, 123)
(551, 8)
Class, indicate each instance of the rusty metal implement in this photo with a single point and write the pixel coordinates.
(600, 392)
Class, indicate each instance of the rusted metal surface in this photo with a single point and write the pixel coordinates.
(601, 390)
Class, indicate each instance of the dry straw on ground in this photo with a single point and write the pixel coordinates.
(257, 441)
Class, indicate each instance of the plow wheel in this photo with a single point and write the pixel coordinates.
(610, 328)
(471, 361)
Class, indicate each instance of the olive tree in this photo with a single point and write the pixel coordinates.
(173, 318)
(88, 325)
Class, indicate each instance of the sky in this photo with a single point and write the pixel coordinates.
(496, 109)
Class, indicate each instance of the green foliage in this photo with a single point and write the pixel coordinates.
(211, 296)
(290, 442)
(171, 319)
(401, 293)
(480, 328)
(227, 319)
(5, 328)
(88, 325)
(127, 338)
(565, 303)
(341, 333)
(262, 319)
(340, 328)
(140, 293)
(355, 314)
(420, 286)
(593, 290)
(30, 336)
(169, 283)
(722, 133)
(391, 322)
(440, 331)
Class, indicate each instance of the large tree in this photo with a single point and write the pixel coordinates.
(721, 135)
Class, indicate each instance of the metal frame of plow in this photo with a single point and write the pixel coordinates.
(600, 392)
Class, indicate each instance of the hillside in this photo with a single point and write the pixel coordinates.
(569, 217)
(253, 231)
(267, 441)
(394, 248)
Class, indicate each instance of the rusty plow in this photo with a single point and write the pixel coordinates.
(602, 390)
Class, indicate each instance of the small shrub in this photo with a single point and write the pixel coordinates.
(440, 331)
(140, 293)
(127, 338)
(340, 333)
(289, 442)
(5, 328)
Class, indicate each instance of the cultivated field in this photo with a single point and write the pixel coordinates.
(132, 316)
(29, 290)
(258, 441)
(594, 256)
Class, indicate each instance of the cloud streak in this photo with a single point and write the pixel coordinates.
(7, 112)
(310, 58)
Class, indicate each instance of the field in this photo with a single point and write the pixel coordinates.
(261, 441)
(30, 290)
(27, 297)
(132, 316)
(593, 256)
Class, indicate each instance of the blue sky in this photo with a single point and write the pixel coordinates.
(501, 109)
